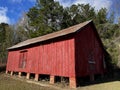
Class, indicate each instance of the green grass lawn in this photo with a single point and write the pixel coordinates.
(9, 83)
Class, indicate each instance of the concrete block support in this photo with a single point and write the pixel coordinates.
(6, 72)
(11, 73)
(36, 77)
(72, 82)
(28, 76)
(52, 79)
(19, 74)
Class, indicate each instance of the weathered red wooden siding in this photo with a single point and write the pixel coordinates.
(67, 55)
(86, 42)
(55, 57)
(12, 62)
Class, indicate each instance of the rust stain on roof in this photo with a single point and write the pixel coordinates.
(63, 32)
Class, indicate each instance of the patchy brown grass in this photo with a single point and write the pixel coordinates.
(8, 82)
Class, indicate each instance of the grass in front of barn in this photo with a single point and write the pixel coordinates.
(8, 82)
(114, 85)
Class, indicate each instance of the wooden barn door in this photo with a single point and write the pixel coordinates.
(23, 59)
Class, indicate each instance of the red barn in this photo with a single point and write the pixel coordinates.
(73, 52)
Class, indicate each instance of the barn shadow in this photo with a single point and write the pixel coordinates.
(111, 77)
(112, 74)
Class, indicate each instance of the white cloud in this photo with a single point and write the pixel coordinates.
(98, 4)
(3, 15)
(65, 3)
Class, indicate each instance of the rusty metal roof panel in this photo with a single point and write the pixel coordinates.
(66, 31)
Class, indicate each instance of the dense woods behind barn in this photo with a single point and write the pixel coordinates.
(48, 16)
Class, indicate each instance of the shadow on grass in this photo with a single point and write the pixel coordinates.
(111, 77)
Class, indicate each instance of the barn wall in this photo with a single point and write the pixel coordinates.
(54, 57)
(88, 49)
(12, 62)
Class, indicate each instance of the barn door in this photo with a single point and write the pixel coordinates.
(91, 62)
(23, 59)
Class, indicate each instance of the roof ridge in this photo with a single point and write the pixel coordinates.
(62, 32)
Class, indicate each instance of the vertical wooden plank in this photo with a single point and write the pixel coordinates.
(40, 69)
(71, 58)
(67, 58)
(8, 61)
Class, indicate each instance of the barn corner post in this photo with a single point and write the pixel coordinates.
(72, 77)
(72, 82)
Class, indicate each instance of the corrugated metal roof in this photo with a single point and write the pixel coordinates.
(66, 31)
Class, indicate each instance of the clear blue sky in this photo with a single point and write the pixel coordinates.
(12, 10)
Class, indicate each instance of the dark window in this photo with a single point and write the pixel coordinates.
(91, 61)
(23, 59)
